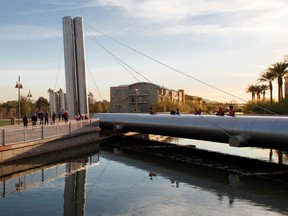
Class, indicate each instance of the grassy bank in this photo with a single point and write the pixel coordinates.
(5, 122)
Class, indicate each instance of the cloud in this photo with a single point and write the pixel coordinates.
(175, 17)
(28, 32)
(204, 16)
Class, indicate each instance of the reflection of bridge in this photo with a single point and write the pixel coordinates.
(222, 183)
(255, 131)
(36, 171)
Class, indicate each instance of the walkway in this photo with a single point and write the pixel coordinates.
(14, 134)
(18, 142)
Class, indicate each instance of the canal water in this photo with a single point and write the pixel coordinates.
(271, 155)
(104, 180)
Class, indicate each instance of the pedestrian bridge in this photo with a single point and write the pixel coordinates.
(240, 131)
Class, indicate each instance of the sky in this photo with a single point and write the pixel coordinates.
(213, 49)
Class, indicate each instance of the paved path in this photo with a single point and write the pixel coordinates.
(12, 134)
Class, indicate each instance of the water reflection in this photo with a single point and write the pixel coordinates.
(113, 181)
(271, 155)
(255, 189)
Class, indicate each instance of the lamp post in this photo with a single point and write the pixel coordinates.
(29, 95)
(136, 92)
(19, 86)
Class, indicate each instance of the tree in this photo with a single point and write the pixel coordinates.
(99, 107)
(90, 98)
(252, 89)
(258, 91)
(25, 105)
(50, 91)
(279, 69)
(42, 103)
(268, 76)
(60, 91)
(263, 90)
(10, 104)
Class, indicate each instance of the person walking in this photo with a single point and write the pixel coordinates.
(46, 116)
(231, 111)
(34, 120)
(220, 112)
(25, 120)
(60, 114)
(41, 117)
(53, 117)
(66, 116)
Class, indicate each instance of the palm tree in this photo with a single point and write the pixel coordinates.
(258, 91)
(252, 89)
(268, 76)
(263, 90)
(50, 91)
(279, 69)
(60, 91)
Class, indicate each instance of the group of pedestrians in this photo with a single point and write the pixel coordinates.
(43, 117)
(63, 115)
(175, 112)
(221, 111)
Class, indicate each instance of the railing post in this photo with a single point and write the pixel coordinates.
(25, 134)
(90, 125)
(3, 133)
(70, 128)
(42, 131)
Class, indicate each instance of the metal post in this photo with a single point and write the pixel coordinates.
(136, 92)
(70, 128)
(25, 134)
(18, 106)
(42, 132)
(19, 86)
(3, 133)
(57, 130)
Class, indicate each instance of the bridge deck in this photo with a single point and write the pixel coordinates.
(259, 131)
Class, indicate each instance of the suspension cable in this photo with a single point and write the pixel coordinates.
(180, 72)
(124, 65)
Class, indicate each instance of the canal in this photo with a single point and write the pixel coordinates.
(106, 179)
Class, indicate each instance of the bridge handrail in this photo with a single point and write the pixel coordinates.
(9, 136)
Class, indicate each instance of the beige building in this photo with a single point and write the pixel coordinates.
(139, 97)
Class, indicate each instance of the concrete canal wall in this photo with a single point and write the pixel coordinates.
(14, 152)
(49, 140)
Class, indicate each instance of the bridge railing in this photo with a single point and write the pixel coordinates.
(33, 133)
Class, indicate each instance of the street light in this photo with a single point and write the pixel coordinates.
(19, 86)
(136, 92)
(29, 95)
